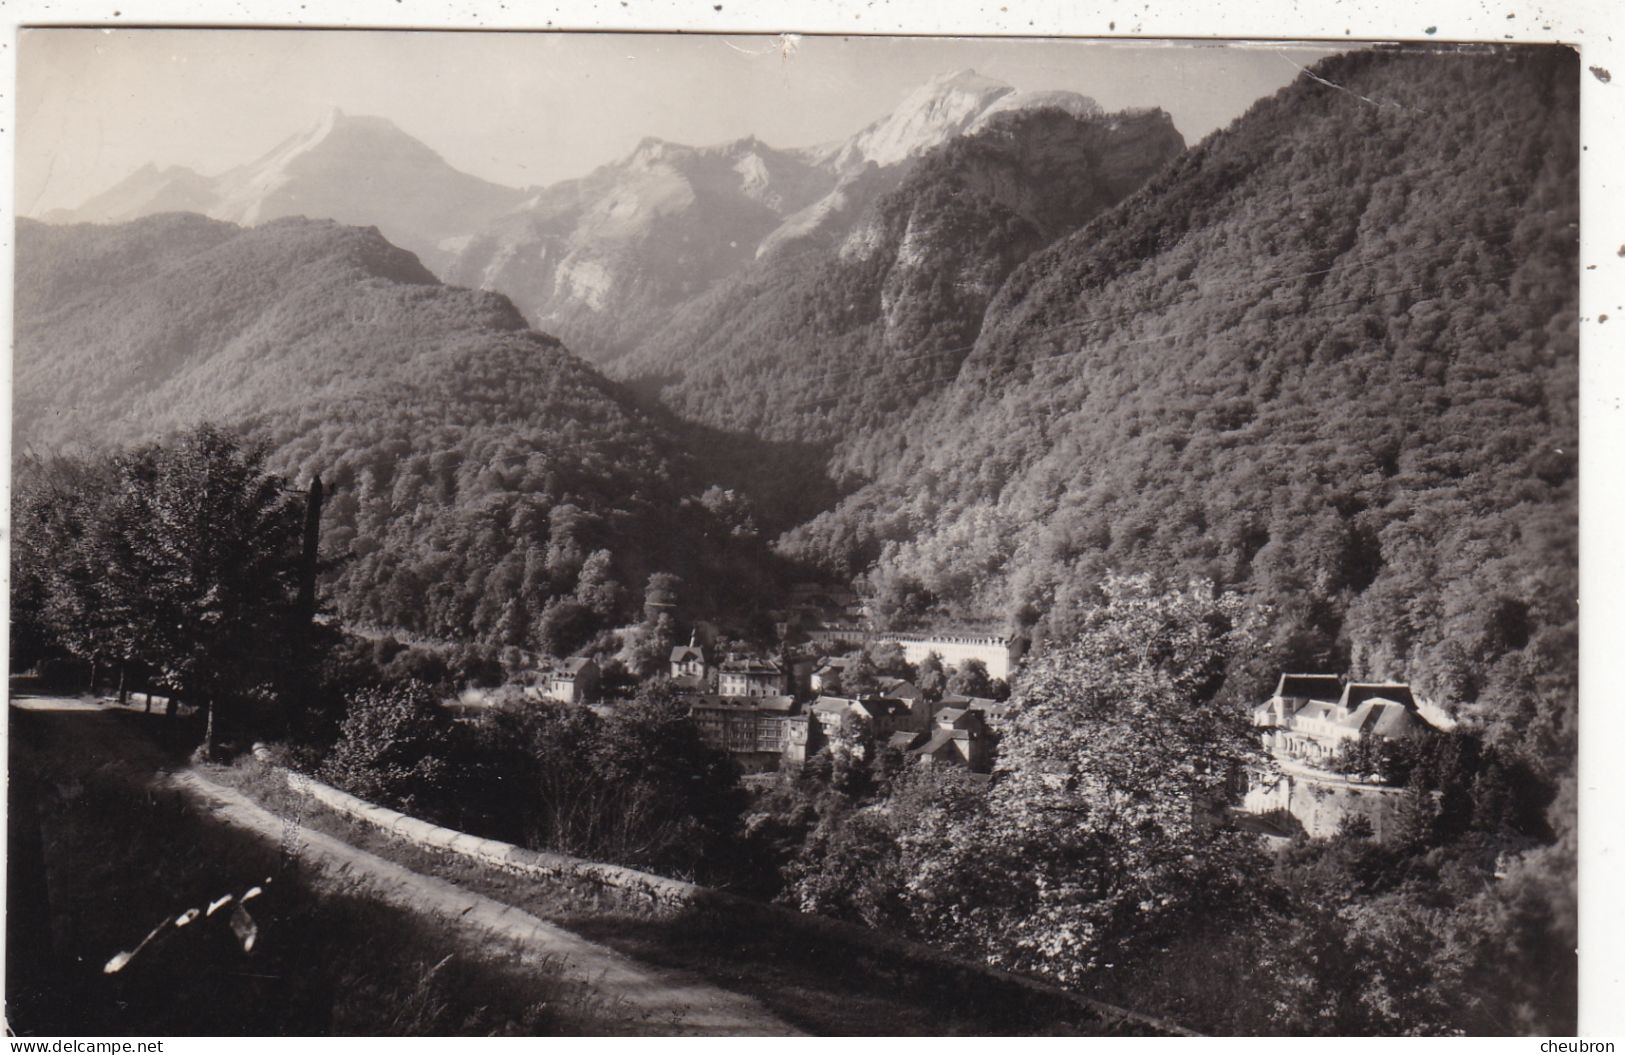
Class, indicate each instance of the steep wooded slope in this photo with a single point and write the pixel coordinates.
(477, 465)
(1330, 355)
(822, 337)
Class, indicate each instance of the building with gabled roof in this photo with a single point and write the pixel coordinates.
(573, 680)
(1292, 693)
(958, 736)
(899, 689)
(1312, 716)
(887, 715)
(1388, 719)
(881, 715)
(1310, 686)
(1358, 692)
(1306, 725)
(691, 667)
(992, 710)
(829, 711)
(689, 658)
(828, 673)
(905, 740)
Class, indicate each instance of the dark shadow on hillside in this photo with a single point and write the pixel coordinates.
(826, 983)
(97, 858)
(103, 852)
(788, 481)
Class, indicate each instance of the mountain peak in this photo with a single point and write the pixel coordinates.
(936, 111)
(967, 80)
(652, 149)
(332, 117)
(1056, 99)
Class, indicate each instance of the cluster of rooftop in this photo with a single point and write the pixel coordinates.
(768, 712)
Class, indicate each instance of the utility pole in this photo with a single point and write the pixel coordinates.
(307, 567)
(304, 615)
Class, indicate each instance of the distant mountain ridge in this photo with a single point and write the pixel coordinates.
(605, 261)
(600, 260)
(646, 234)
(355, 170)
(940, 109)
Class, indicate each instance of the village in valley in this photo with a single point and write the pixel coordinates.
(831, 684)
(1334, 747)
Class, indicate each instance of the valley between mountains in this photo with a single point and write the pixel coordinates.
(1172, 422)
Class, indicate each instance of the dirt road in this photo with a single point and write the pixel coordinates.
(690, 1005)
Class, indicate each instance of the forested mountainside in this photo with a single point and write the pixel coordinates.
(353, 169)
(1329, 355)
(829, 335)
(489, 484)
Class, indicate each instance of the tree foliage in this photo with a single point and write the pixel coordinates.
(392, 748)
(1328, 357)
(181, 558)
(476, 471)
(1104, 831)
(638, 787)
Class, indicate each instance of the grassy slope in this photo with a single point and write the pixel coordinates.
(120, 855)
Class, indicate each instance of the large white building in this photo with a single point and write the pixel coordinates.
(999, 653)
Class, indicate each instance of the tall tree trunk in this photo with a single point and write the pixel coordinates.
(123, 684)
(93, 675)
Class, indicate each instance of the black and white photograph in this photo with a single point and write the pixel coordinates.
(577, 534)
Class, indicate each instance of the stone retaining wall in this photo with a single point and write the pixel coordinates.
(1321, 805)
(506, 856)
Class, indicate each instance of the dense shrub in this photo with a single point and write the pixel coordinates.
(636, 787)
(392, 749)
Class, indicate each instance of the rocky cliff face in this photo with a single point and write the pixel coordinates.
(601, 261)
(932, 114)
(607, 260)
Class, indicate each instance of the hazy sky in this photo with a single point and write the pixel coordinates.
(532, 108)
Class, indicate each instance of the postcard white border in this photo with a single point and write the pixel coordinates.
(1590, 25)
